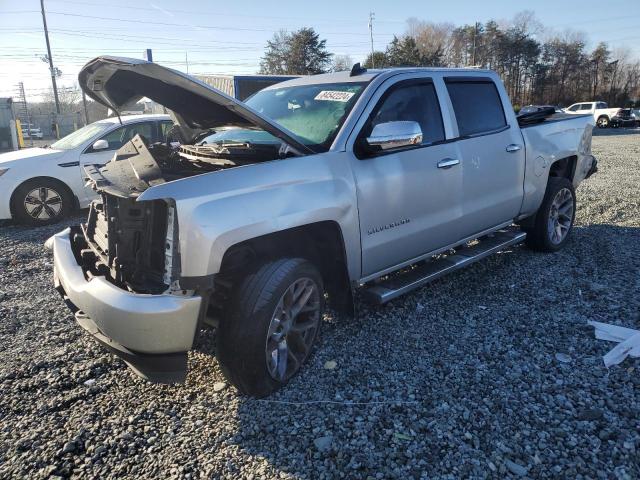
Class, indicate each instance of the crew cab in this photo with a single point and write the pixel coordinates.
(377, 180)
(600, 111)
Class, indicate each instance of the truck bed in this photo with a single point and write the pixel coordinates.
(556, 117)
(557, 137)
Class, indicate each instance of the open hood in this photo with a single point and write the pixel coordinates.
(115, 82)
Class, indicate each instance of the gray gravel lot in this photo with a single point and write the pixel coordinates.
(459, 379)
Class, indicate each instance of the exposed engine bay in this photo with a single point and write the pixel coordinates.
(133, 244)
(137, 166)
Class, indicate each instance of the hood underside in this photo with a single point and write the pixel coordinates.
(115, 82)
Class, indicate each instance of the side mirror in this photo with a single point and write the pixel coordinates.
(101, 144)
(386, 136)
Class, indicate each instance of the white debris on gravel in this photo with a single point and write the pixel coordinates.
(628, 342)
(563, 357)
(219, 386)
(472, 393)
(330, 365)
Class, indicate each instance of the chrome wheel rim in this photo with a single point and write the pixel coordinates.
(560, 216)
(292, 329)
(602, 122)
(43, 203)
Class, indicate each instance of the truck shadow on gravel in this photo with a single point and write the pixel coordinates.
(461, 378)
(613, 132)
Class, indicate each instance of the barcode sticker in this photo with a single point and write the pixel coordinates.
(334, 96)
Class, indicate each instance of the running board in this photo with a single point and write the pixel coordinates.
(400, 284)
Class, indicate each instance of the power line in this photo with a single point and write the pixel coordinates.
(208, 27)
(333, 21)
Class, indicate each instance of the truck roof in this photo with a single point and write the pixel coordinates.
(368, 75)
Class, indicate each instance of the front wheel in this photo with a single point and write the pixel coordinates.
(271, 326)
(554, 219)
(603, 122)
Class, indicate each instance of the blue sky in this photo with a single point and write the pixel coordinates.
(229, 37)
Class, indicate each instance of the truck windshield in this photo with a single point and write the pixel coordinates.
(314, 113)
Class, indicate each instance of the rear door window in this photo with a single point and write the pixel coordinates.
(477, 106)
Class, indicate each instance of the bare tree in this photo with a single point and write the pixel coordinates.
(69, 98)
(342, 63)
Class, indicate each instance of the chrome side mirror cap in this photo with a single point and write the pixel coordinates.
(386, 136)
(101, 144)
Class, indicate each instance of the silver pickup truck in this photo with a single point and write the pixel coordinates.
(262, 212)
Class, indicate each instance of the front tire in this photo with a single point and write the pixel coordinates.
(271, 326)
(554, 219)
(603, 122)
(41, 201)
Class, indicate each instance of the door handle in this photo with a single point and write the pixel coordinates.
(513, 148)
(448, 162)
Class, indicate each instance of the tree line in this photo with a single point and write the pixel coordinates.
(536, 66)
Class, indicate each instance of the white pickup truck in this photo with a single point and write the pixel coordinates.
(378, 180)
(600, 112)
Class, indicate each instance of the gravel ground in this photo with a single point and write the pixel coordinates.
(459, 379)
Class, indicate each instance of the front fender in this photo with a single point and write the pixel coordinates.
(220, 209)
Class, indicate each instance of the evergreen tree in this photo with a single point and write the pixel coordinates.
(298, 53)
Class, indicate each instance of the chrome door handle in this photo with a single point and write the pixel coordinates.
(513, 148)
(448, 162)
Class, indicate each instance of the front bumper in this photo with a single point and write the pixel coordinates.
(152, 333)
(5, 199)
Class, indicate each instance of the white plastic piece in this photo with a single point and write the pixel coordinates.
(628, 342)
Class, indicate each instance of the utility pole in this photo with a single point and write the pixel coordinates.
(475, 34)
(53, 71)
(371, 17)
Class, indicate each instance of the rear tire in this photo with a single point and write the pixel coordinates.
(41, 201)
(554, 219)
(603, 122)
(271, 326)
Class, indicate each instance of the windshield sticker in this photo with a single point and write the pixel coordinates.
(334, 96)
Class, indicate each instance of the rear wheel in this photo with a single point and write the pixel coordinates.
(41, 201)
(603, 122)
(271, 326)
(554, 219)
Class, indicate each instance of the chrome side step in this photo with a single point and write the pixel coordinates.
(418, 276)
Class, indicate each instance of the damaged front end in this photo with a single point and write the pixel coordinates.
(133, 244)
(120, 271)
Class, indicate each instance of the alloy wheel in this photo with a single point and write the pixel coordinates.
(292, 329)
(560, 216)
(43, 203)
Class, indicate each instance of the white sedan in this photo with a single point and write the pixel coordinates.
(41, 185)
